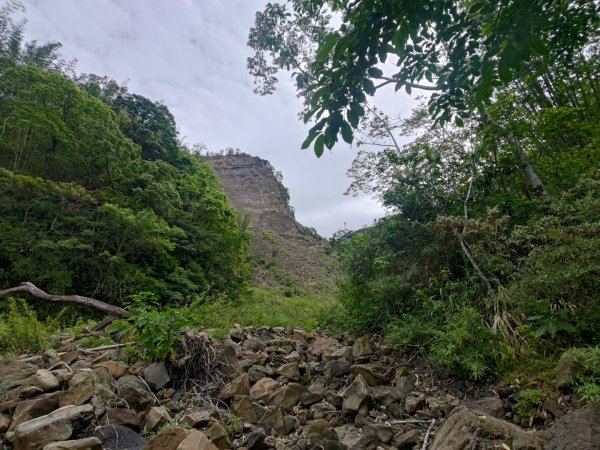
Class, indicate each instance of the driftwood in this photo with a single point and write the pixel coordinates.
(86, 301)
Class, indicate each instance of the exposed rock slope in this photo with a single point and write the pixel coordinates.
(286, 253)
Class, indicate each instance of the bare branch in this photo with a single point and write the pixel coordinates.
(86, 301)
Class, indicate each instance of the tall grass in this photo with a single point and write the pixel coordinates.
(268, 307)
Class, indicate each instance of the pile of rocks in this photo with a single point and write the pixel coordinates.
(289, 390)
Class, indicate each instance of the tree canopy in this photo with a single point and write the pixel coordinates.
(342, 51)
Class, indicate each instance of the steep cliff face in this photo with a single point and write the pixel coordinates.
(253, 186)
(286, 253)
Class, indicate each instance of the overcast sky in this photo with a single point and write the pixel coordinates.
(191, 55)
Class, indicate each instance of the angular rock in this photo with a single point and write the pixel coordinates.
(566, 371)
(405, 384)
(157, 417)
(263, 389)
(81, 389)
(489, 405)
(288, 396)
(123, 416)
(275, 420)
(118, 437)
(578, 429)
(157, 375)
(323, 345)
(133, 390)
(241, 405)
(31, 409)
(197, 419)
(414, 403)
(373, 374)
(254, 440)
(91, 443)
(290, 371)
(59, 425)
(355, 438)
(196, 440)
(4, 423)
(337, 368)
(355, 395)
(362, 347)
(168, 439)
(237, 334)
(219, 436)
(410, 437)
(115, 369)
(43, 379)
(239, 386)
(322, 435)
(13, 371)
(469, 429)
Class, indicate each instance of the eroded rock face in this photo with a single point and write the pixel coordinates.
(467, 429)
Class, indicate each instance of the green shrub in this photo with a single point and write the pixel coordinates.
(529, 402)
(157, 331)
(21, 331)
(587, 382)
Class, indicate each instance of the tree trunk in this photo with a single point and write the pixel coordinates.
(530, 174)
(87, 301)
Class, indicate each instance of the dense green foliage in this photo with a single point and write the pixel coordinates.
(473, 267)
(337, 51)
(98, 196)
(492, 251)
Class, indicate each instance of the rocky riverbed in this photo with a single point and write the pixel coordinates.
(275, 388)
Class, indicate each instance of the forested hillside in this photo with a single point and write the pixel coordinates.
(98, 196)
(490, 259)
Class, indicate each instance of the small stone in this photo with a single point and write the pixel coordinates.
(197, 419)
(123, 416)
(404, 383)
(489, 405)
(410, 437)
(196, 440)
(241, 405)
(157, 375)
(157, 417)
(323, 345)
(413, 404)
(237, 334)
(115, 369)
(239, 386)
(43, 379)
(362, 347)
(135, 392)
(263, 389)
(91, 443)
(168, 439)
(290, 371)
(219, 436)
(119, 437)
(355, 395)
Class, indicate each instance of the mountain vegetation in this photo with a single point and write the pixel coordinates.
(490, 258)
(98, 195)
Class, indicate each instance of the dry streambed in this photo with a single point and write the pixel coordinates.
(266, 388)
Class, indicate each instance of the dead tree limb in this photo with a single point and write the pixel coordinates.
(86, 301)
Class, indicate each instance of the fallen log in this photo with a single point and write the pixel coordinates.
(80, 300)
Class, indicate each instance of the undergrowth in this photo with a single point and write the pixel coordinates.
(266, 307)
